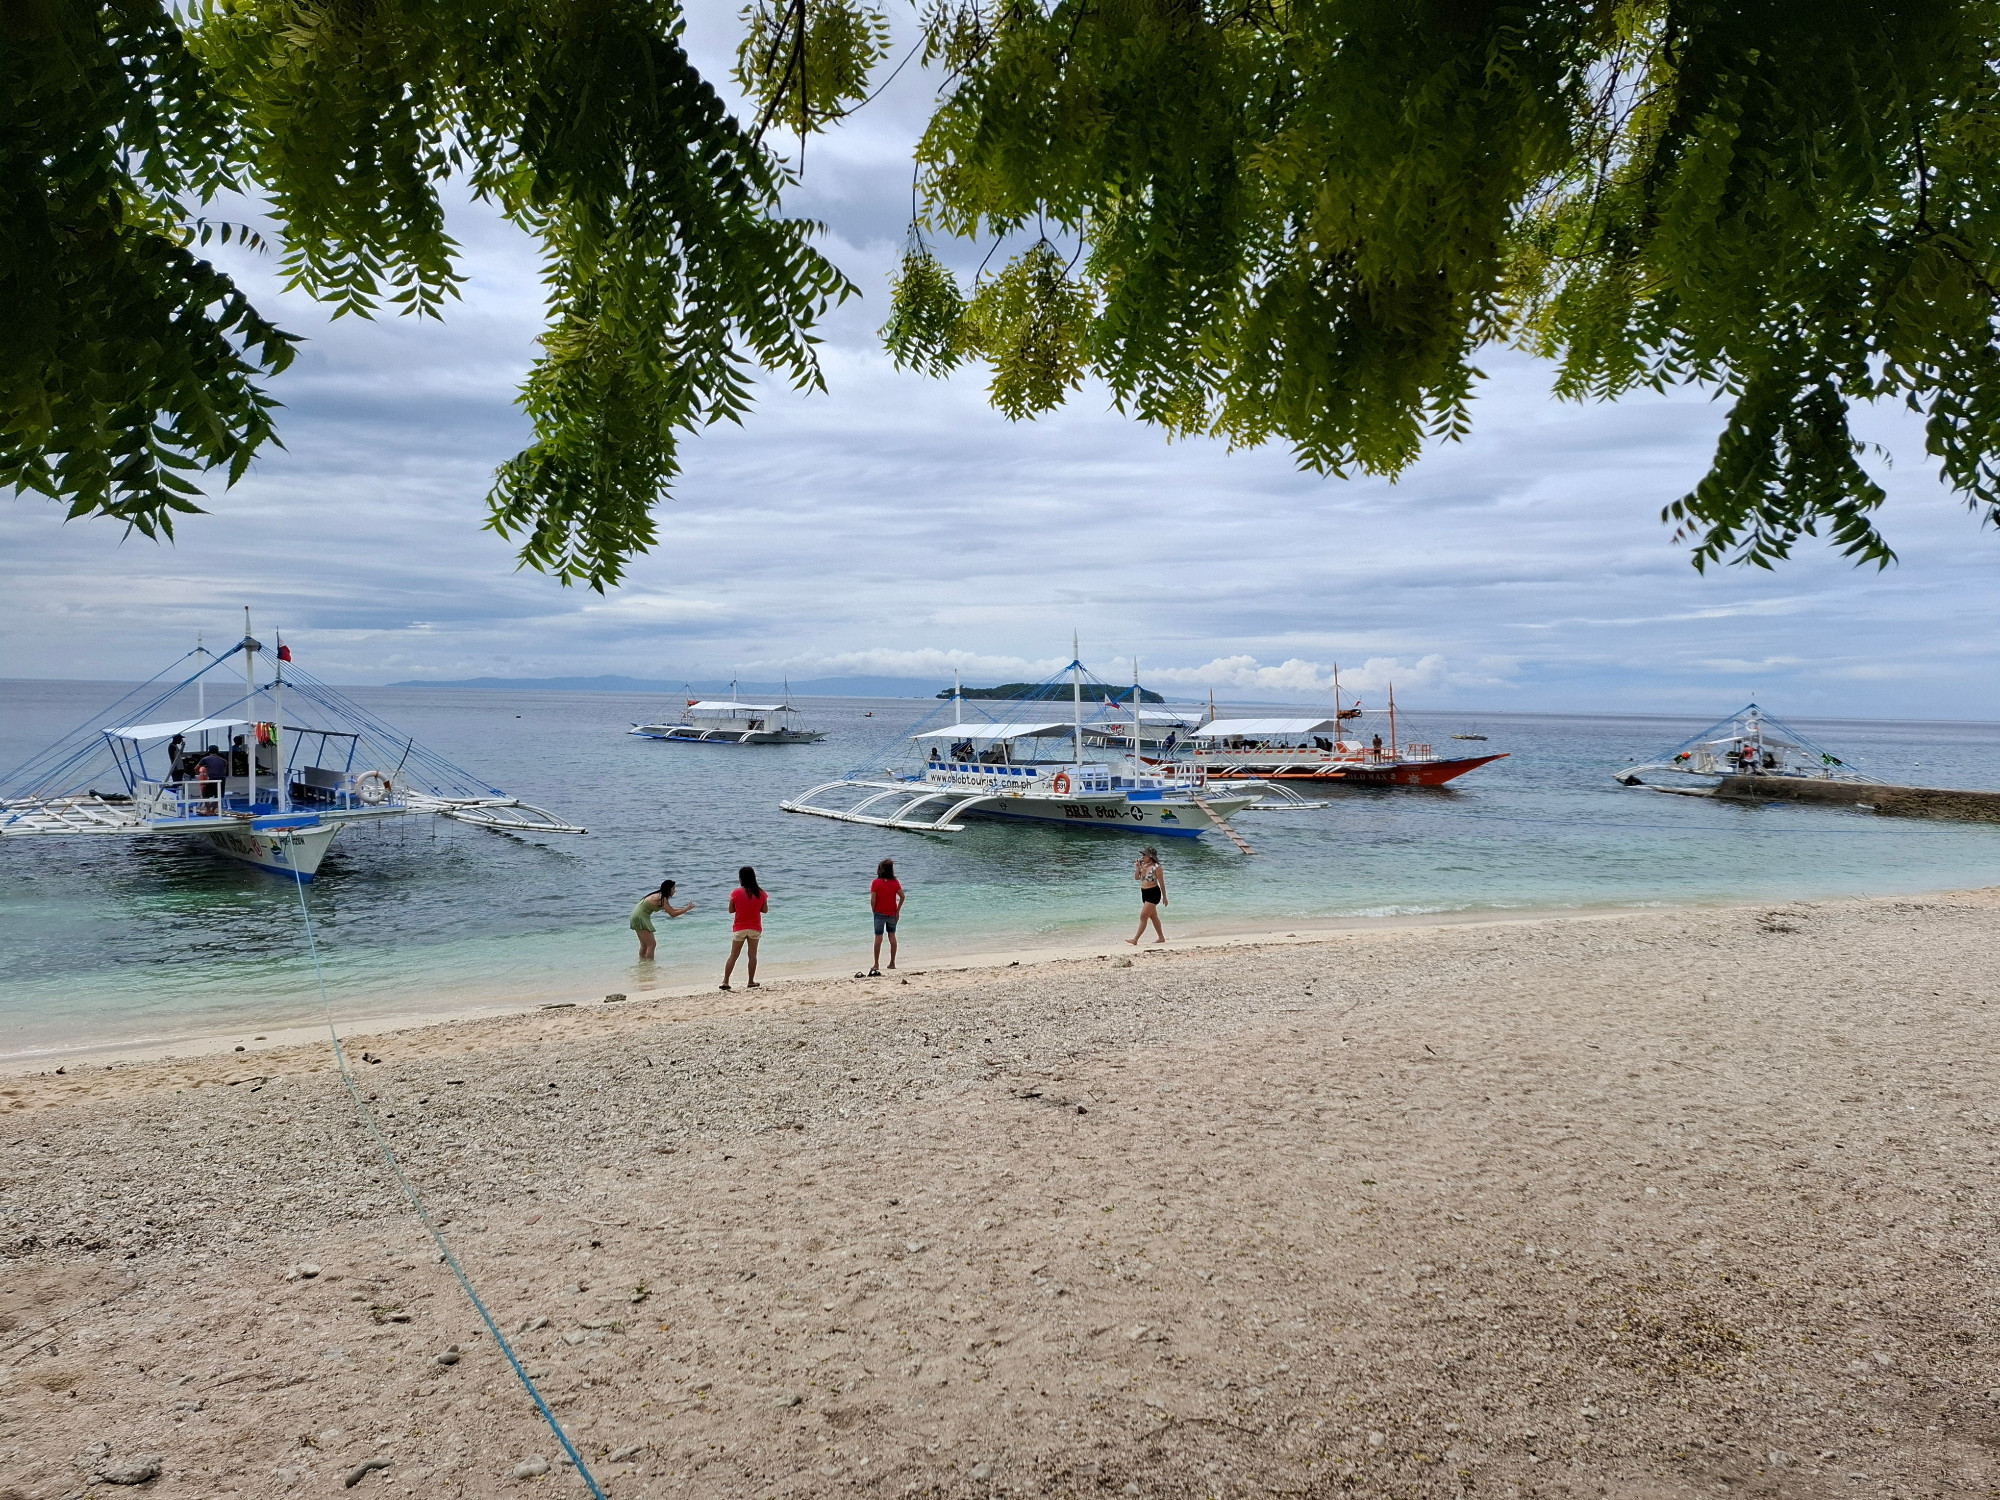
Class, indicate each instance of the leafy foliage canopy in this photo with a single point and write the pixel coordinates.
(1302, 220)
(1266, 220)
(670, 273)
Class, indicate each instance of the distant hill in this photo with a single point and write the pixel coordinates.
(1041, 690)
(815, 687)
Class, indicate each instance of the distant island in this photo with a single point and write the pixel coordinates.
(1042, 690)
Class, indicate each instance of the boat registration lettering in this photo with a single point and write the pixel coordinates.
(1072, 810)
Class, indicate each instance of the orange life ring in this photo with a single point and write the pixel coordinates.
(1059, 783)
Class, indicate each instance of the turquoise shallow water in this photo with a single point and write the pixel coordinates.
(116, 940)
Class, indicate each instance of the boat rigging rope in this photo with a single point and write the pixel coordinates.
(416, 1202)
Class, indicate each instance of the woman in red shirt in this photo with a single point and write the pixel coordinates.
(885, 900)
(749, 904)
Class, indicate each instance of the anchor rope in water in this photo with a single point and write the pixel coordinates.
(416, 1202)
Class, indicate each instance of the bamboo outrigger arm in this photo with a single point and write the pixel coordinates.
(955, 803)
(502, 814)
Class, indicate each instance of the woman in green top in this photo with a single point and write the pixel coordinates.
(661, 900)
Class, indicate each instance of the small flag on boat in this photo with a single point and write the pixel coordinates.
(284, 653)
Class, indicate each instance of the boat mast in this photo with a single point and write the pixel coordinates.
(250, 650)
(1076, 694)
(957, 699)
(200, 681)
(277, 737)
(1336, 708)
(1137, 722)
(1392, 721)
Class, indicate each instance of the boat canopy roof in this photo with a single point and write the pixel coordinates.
(991, 734)
(202, 726)
(705, 706)
(1263, 729)
(1120, 714)
(174, 727)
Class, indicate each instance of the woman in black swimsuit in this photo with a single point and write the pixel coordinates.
(1152, 878)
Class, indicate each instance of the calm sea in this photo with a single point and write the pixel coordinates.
(130, 940)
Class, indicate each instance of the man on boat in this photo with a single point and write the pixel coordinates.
(212, 768)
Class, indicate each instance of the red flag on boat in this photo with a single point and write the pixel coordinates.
(284, 653)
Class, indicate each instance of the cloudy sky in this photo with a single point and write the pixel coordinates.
(897, 526)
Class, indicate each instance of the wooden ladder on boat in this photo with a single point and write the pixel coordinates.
(1227, 832)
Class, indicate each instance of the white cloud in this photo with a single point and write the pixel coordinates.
(1311, 679)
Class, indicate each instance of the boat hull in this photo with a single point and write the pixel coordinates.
(292, 852)
(1352, 773)
(682, 735)
(1163, 819)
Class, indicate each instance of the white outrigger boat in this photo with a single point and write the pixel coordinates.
(1749, 743)
(728, 722)
(993, 770)
(287, 790)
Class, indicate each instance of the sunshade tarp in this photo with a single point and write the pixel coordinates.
(179, 726)
(1264, 729)
(990, 734)
(706, 707)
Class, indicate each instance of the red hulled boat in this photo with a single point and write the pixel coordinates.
(1318, 750)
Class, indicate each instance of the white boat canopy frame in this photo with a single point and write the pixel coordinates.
(993, 734)
(706, 707)
(142, 732)
(1263, 729)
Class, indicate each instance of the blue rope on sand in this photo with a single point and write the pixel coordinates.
(416, 1202)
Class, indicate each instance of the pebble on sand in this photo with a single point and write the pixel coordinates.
(132, 1471)
(531, 1468)
(361, 1470)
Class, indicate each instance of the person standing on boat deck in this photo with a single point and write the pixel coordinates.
(749, 904)
(1152, 878)
(885, 902)
(176, 755)
(239, 756)
(649, 906)
(212, 768)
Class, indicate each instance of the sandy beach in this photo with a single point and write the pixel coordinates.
(1661, 1203)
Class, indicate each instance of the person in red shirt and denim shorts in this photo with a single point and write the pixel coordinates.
(749, 904)
(885, 899)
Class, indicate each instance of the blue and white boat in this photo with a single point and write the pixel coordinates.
(1034, 770)
(281, 790)
(728, 721)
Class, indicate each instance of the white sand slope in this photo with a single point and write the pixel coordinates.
(1687, 1202)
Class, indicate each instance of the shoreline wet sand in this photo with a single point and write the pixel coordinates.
(1634, 1205)
(699, 996)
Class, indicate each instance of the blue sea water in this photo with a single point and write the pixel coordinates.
(115, 940)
